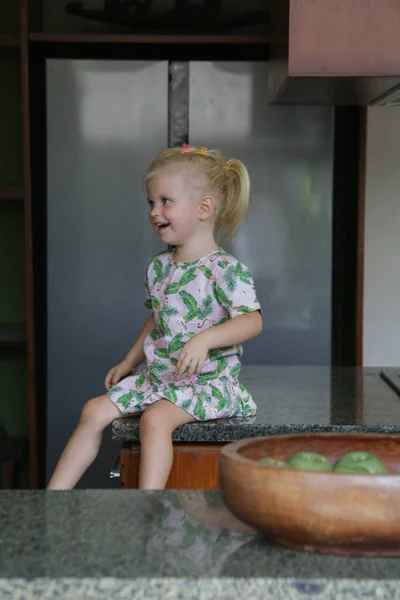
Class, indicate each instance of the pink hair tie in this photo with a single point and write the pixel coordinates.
(186, 149)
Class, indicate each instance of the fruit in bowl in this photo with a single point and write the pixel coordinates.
(309, 461)
(330, 512)
(360, 462)
(352, 462)
(273, 462)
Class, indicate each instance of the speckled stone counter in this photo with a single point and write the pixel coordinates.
(291, 399)
(165, 545)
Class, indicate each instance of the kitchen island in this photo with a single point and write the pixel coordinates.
(289, 400)
(94, 544)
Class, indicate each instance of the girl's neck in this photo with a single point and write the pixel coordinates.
(194, 249)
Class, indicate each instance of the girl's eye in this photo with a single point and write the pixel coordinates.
(166, 201)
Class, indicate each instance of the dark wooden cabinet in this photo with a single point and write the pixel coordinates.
(334, 52)
(195, 466)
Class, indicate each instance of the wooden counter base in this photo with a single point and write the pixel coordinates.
(195, 466)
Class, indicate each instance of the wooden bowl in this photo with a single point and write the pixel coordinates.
(336, 513)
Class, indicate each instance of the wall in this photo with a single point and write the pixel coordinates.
(382, 239)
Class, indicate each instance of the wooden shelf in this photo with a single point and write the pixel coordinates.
(12, 335)
(148, 38)
(11, 192)
(9, 41)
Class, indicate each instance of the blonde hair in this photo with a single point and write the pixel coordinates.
(229, 179)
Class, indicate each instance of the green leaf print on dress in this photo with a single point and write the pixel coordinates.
(244, 276)
(155, 334)
(206, 271)
(236, 370)
(164, 314)
(186, 404)
(220, 296)
(172, 288)
(188, 277)
(169, 311)
(171, 396)
(206, 377)
(155, 302)
(189, 301)
(163, 324)
(126, 399)
(157, 367)
(140, 380)
(199, 410)
(238, 406)
(230, 279)
(220, 397)
(245, 310)
(206, 308)
(227, 397)
(154, 378)
(161, 272)
(176, 343)
(115, 389)
(161, 352)
(204, 397)
(222, 364)
(195, 311)
(191, 315)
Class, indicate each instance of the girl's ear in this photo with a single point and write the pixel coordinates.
(206, 207)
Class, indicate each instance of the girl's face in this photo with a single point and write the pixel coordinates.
(174, 207)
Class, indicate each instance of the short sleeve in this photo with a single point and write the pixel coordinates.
(147, 302)
(235, 290)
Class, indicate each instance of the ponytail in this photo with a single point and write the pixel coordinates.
(235, 202)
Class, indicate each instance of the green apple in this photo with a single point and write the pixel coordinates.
(354, 460)
(354, 469)
(273, 462)
(309, 461)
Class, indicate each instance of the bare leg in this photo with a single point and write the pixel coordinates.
(156, 426)
(83, 446)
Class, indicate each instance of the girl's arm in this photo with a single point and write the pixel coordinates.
(236, 331)
(132, 360)
(233, 332)
(136, 354)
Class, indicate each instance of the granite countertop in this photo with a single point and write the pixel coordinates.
(295, 399)
(95, 544)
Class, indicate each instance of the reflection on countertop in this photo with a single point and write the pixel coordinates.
(159, 544)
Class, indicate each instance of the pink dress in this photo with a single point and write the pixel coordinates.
(186, 299)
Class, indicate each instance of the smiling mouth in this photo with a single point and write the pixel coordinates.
(162, 226)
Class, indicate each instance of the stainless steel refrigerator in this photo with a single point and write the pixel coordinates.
(105, 121)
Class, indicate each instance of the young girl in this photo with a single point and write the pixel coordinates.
(203, 304)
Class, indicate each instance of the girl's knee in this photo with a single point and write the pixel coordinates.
(152, 419)
(164, 416)
(100, 411)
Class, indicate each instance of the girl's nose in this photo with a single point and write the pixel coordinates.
(155, 211)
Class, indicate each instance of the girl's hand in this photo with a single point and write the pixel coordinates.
(193, 356)
(117, 373)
